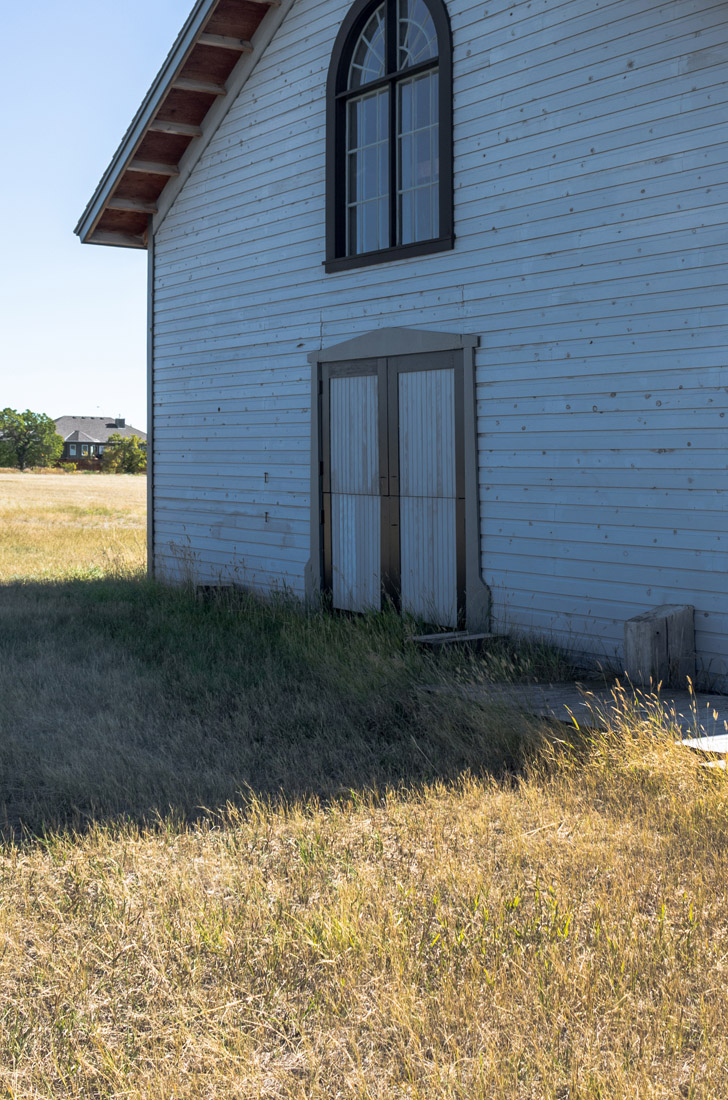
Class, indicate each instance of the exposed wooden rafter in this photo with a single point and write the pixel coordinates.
(121, 240)
(166, 126)
(187, 84)
(153, 168)
(139, 206)
(208, 64)
(225, 42)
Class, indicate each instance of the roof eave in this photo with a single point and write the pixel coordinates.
(152, 101)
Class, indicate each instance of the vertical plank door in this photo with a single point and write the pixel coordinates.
(355, 502)
(425, 421)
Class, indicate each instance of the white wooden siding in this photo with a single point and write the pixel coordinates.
(591, 188)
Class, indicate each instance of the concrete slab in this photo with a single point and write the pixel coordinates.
(696, 718)
(717, 743)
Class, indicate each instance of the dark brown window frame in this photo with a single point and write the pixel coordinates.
(336, 100)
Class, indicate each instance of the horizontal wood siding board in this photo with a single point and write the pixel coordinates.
(591, 219)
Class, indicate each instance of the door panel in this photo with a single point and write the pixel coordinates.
(427, 495)
(354, 431)
(356, 556)
(428, 569)
(356, 551)
(427, 433)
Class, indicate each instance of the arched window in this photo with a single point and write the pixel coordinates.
(389, 134)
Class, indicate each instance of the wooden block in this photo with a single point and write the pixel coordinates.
(659, 646)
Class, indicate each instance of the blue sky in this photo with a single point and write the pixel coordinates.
(72, 316)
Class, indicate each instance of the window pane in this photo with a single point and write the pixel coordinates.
(406, 217)
(423, 213)
(367, 62)
(369, 120)
(384, 221)
(371, 240)
(424, 158)
(417, 159)
(406, 162)
(352, 177)
(370, 172)
(416, 35)
(367, 187)
(405, 107)
(424, 114)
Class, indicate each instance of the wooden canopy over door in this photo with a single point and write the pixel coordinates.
(393, 485)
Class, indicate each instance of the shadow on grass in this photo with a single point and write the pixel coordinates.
(127, 699)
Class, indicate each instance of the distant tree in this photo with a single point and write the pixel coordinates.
(28, 439)
(124, 455)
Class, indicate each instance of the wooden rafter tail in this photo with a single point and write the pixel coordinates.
(138, 206)
(166, 126)
(120, 240)
(225, 42)
(153, 168)
(187, 84)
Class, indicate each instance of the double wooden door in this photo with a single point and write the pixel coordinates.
(392, 469)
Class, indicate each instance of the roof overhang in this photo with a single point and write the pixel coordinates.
(214, 53)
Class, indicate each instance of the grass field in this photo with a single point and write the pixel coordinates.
(54, 525)
(246, 855)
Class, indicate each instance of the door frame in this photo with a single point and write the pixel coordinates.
(405, 345)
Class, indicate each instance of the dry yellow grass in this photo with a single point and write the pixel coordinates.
(556, 931)
(53, 526)
(554, 939)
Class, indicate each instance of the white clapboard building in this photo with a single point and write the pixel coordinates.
(437, 307)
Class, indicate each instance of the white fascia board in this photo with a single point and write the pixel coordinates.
(214, 117)
(175, 60)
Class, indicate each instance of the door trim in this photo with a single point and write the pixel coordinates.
(412, 345)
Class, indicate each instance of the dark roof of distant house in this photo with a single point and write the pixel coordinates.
(80, 437)
(93, 429)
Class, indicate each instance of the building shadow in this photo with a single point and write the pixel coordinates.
(124, 699)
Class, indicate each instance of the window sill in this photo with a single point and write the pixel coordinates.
(389, 255)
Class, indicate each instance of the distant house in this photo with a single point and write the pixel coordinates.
(86, 437)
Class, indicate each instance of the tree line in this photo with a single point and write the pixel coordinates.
(30, 439)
